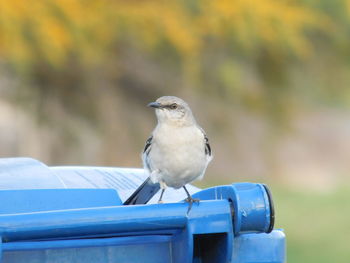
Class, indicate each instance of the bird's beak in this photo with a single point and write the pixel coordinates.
(156, 105)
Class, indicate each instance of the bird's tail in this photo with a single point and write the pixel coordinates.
(144, 193)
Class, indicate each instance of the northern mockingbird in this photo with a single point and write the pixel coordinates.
(177, 152)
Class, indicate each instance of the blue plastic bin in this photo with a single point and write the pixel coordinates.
(76, 214)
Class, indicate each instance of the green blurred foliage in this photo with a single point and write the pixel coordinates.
(240, 51)
(53, 30)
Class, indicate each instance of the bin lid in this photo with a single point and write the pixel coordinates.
(27, 173)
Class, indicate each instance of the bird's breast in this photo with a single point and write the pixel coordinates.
(178, 154)
(180, 142)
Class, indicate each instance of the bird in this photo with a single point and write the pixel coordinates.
(177, 152)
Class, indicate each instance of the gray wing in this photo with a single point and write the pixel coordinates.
(207, 147)
(147, 189)
(148, 145)
(146, 151)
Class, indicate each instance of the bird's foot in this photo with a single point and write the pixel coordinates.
(190, 201)
(160, 202)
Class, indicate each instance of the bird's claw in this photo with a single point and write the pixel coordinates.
(190, 201)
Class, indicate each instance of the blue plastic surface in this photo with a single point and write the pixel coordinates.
(260, 248)
(75, 214)
(250, 203)
(153, 249)
(35, 200)
(27, 173)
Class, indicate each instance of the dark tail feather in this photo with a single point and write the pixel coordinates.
(144, 193)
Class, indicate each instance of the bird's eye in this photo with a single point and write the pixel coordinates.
(173, 106)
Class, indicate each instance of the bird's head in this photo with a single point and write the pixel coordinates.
(172, 110)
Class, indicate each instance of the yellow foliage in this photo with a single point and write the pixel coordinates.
(53, 29)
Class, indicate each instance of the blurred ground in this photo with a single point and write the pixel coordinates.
(315, 223)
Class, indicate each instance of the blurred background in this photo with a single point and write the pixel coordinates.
(268, 80)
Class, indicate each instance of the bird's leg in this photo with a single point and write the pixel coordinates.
(163, 186)
(161, 196)
(190, 200)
